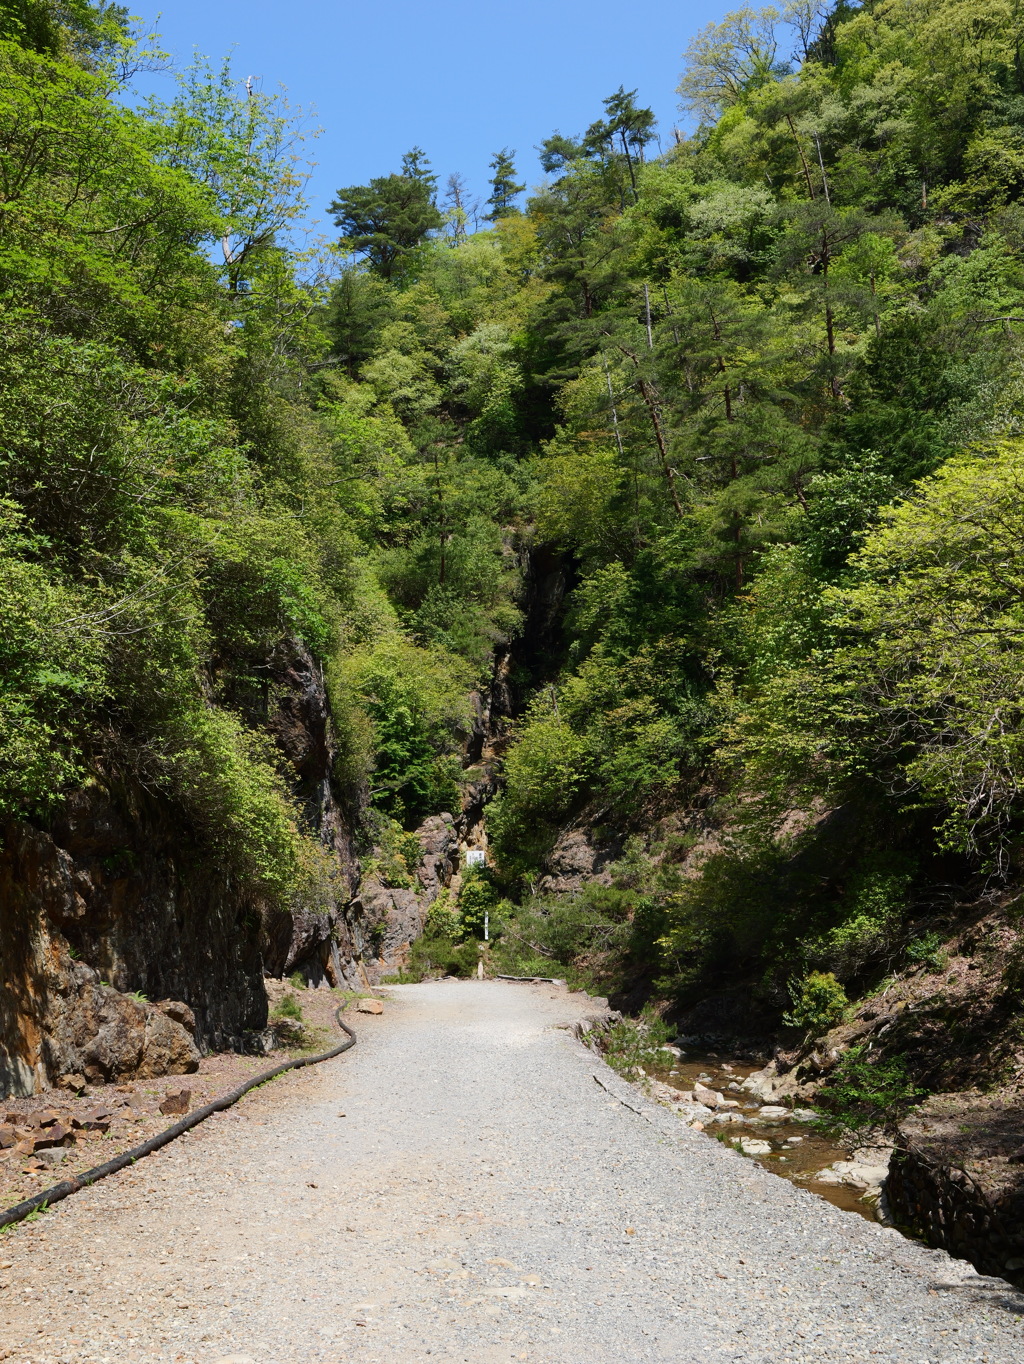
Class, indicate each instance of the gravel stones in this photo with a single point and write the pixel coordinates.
(479, 1157)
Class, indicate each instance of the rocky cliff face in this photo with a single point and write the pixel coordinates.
(115, 904)
(399, 912)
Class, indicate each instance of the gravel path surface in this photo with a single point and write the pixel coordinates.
(482, 1199)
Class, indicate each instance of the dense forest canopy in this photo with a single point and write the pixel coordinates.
(762, 393)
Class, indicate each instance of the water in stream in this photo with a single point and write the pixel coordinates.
(799, 1150)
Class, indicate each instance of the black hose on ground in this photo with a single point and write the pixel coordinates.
(69, 1186)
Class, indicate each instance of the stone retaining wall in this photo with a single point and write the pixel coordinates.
(948, 1209)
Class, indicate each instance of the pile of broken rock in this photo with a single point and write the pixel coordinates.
(40, 1137)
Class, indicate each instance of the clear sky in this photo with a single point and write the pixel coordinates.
(462, 78)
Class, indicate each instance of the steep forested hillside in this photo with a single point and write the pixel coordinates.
(705, 465)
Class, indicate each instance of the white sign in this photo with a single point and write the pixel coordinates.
(476, 858)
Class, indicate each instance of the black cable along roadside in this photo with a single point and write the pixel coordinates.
(69, 1186)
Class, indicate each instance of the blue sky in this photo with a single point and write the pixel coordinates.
(461, 78)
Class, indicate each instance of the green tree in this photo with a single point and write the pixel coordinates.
(728, 59)
(387, 219)
(504, 188)
(87, 31)
(627, 129)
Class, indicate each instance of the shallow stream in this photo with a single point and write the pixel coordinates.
(799, 1150)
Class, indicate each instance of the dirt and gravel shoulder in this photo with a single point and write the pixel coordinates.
(60, 1133)
(483, 1198)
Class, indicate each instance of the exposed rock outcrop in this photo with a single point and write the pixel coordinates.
(577, 857)
(398, 913)
(116, 899)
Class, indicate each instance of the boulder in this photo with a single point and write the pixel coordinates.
(761, 1083)
(369, 1006)
(53, 1155)
(696, 1115)
(97, 1034)
(751, 1146)
(866, 1170)
(168, 1048)
(711, 1098)
(95, 1119)
(439, 845)
(55, 1135)
(397, 916)
(287, 1031)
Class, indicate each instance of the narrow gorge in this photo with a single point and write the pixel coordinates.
(648, 524)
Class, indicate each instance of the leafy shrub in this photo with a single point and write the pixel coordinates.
(477, 900)
(870, 915)
(396, 852)
(434, 954)
(442, 919)
(819, 1002)
(596, 938)
(863, 1095)
(636, 1041)
(928, 950)
(289, 1007)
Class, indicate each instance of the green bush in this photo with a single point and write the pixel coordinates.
(437, 955)
(477, 901)
(864, 1094)
(928, 950)
(442, 919)
(636, 1042)
(870, 917)
(595, 938)
(819, 1002)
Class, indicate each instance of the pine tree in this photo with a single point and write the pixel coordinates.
(503, 186)
(416, 166)
(390, 216)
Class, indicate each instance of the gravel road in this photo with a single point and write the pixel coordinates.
(482, 1199)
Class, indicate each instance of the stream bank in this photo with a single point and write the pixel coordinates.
(725, 1098)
